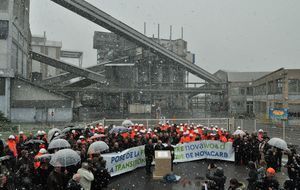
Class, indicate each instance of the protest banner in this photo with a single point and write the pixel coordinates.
(207, 149)
(125, 161)
(132, 158)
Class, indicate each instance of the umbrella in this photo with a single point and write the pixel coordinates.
(59, 143)
(4, 158)
(97, 147)
(118, 129)
(44, 157)
(279, 143)
(78, 128)
(127, 123)
(239, 132)
(34, 141)
(96, 136)
(61, 136)
(52, 132)
(64, 158)
(66, 130)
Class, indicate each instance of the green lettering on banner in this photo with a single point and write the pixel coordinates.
(142, 152)
(179, 156)
(118, 166)
(179, 149)
(206, 145)
(222, 146)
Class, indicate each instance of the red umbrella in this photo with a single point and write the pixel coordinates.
(96, 136)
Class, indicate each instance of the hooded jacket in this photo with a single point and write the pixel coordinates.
(86, 178)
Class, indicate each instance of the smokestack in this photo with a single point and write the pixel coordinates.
(158, 33)
(182, 32)
(145, 28)
(170, 32)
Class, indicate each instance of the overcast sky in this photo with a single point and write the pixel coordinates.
(239, 35)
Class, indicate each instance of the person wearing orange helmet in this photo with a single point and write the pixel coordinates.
(270, 181)
(11, 143)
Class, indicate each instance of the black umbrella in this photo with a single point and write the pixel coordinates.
(34, 141)
(44, 157)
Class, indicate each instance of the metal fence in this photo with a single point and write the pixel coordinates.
(289, 132)
(286, 130)
(151, 123)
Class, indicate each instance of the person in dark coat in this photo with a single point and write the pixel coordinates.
(254, 146)
(278, 157)
(253, 176)
(101, 175)
(42, 173)
(246, 151)
(237, 143)
(292, 164)
(149, 154)
(171, 149)
(218, 177)
(159, 145)
(56, 179)
(234, 184)
(271, 159)
(270, 182)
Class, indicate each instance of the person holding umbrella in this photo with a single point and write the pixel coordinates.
(57, 178)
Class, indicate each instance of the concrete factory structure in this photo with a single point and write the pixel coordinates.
(135, 76)
(21, 100)
(131, 66)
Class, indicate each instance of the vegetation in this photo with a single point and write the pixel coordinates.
(3, 120)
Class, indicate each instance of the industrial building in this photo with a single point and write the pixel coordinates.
(135, 76)
(21, 100)
(238, 97)
(278, 89)
(134, 67)
(40, 71)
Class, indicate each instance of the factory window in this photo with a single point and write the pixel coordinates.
(2, 86)
(3, 29)
(250, 91)
(242, 91)
(270, 87)
(234, 92)
(3, 5)
(279, 85)
(293, 86)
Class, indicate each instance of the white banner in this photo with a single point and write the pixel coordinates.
(132, 158)
(206, 149)
(125, 161)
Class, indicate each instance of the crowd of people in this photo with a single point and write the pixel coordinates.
(25, 165)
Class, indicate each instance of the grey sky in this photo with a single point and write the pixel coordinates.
(240, 35)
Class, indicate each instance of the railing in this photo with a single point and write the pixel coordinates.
(151, 123)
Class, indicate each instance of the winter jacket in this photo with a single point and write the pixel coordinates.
(56, 181)
(73, 185)
(219, 178)
(149, 151)
(270, 183)
(86, 178)
(102, 178)
(253, 176)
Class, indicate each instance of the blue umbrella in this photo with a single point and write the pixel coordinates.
(118, 129)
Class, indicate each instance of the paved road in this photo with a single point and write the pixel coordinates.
(189, 170)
